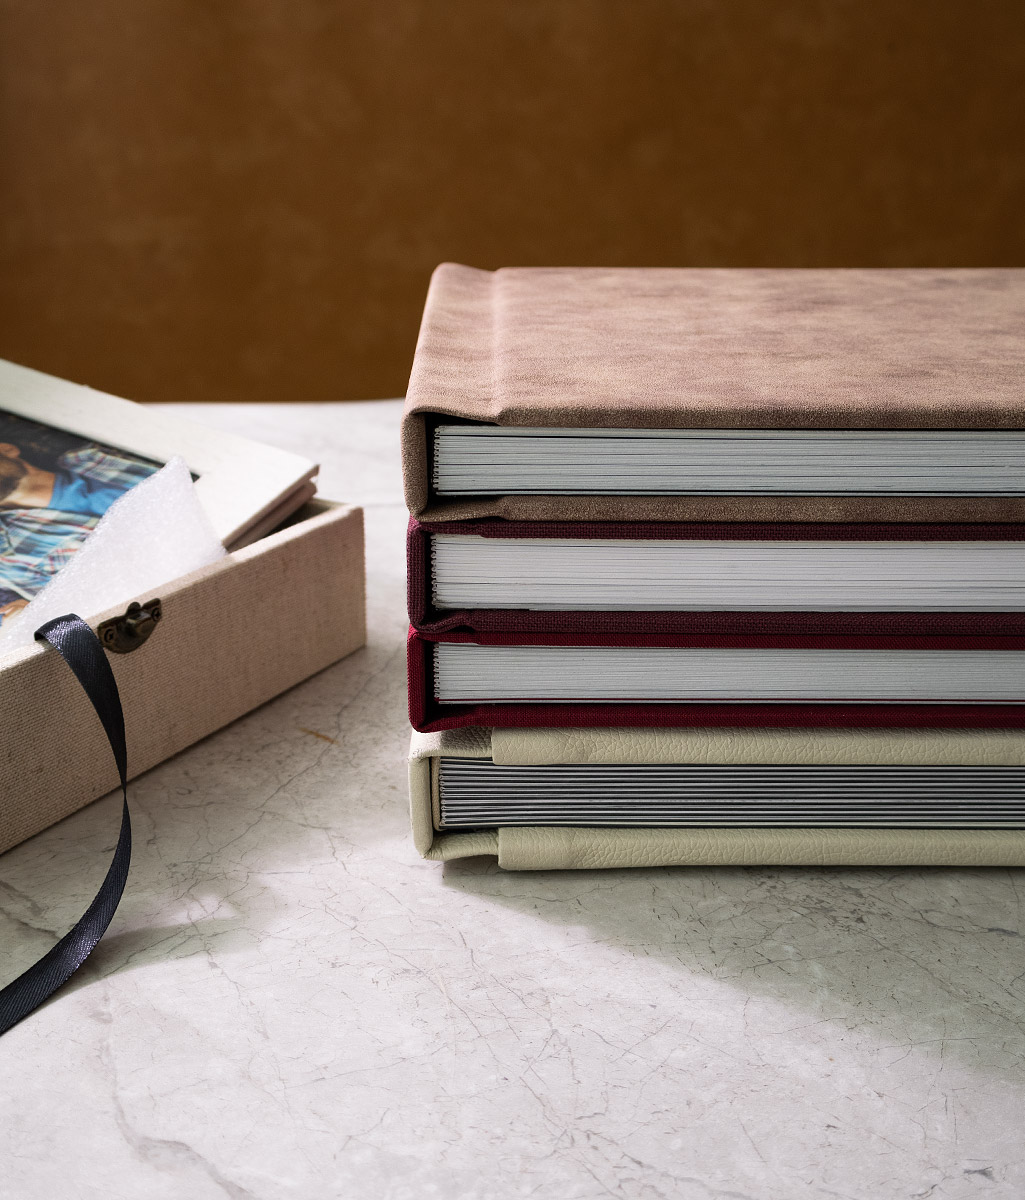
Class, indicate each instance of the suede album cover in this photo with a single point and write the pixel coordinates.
(673, 348)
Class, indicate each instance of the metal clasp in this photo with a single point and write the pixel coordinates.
(122, 635)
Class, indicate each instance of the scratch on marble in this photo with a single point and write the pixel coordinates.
(313, 733)
(986, 1171)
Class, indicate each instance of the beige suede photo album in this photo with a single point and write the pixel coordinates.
(718, 394)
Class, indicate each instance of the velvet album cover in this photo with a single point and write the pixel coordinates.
(426, 616)
(427, 712)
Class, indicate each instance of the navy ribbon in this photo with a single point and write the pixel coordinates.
(81, 649)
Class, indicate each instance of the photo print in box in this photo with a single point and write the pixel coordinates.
(54, 488)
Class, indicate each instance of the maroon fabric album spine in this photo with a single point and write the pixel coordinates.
(425, 618)
(428, 715)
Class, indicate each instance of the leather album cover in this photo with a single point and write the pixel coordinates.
(538, 848)
(672, 348)
(427, 714)
(426, 618)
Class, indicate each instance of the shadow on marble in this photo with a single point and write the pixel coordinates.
(135, 948)
(269, 795)
(927, 958)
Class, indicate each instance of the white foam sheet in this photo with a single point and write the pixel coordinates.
(151, 535)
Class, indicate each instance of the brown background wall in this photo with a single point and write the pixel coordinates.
(243, 199)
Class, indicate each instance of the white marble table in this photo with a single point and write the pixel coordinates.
(290, 1004)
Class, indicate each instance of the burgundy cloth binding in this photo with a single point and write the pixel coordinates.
(427, 715)
(423, 616)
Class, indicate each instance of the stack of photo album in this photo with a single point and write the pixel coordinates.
(718, 566)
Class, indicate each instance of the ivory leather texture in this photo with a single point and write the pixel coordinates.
(783, 747)
(537, 848)
(544, 849)
(717, 348)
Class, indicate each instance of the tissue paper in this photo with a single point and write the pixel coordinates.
(150, 536)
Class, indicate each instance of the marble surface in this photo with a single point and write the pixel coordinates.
(289, 1003)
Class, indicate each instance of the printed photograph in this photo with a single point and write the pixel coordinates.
(54, 488)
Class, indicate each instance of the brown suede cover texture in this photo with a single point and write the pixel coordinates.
(717, 348)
